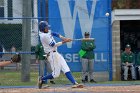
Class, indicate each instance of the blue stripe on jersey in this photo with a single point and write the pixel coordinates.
(52, 43)
(55, 34)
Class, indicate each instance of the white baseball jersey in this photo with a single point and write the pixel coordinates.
(47, 41)
(56, 60)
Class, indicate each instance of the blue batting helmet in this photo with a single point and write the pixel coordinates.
(43, 25)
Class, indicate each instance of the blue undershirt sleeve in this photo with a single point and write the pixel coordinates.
(55, 34)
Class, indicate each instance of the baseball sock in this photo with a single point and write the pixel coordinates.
(47, 77)
(70, 77)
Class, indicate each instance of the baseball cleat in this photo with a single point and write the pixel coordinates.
(78, 86)
(40, 82)
(84, 81)
(52, 82)
(46, 86)
(93, 81)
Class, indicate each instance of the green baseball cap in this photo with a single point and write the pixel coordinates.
(86, 33)
(127, 46)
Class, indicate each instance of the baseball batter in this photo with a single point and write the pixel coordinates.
(57, 62)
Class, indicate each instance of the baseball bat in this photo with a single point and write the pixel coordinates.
(83, 39)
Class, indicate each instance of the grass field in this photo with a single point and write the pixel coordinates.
(13, 78)
(11, 83)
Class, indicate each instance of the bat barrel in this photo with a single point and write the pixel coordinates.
(83, 39)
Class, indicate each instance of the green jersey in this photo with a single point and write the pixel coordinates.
(127, 57)
(39, 52)
(88, 46)
(138, 59)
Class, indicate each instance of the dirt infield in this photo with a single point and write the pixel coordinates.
(68, 89)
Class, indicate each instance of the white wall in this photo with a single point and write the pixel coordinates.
(17, 12)
(125, 14)
(34, 33)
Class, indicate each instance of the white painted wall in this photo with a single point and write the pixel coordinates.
(34, 33)
(17, 12)
(125, 14)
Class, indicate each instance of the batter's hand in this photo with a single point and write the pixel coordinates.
(69, 40)
(63, 38)
(66, 40)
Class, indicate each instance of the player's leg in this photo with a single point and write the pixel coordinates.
(125, 72)
(43, 79)
(90, 65)
(139, 71)
(65, 69)
(132, 68)
(41, 70)
(49, 71)
(55, 65)
(42, 67)
(84, 70)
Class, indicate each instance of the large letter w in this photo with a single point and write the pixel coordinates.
(80, 10)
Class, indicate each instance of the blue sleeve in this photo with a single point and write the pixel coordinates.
(55, 34)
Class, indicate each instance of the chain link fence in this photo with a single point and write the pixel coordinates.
(11, 41)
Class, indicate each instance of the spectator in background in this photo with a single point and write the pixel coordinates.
(87, 57)
(1, 50)
(13, 50)
(39, 51)
(138, 64)
(127, 60)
